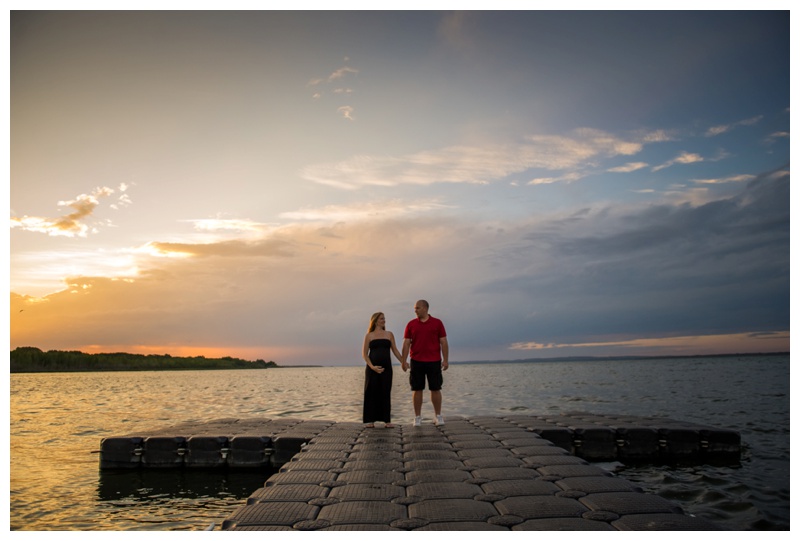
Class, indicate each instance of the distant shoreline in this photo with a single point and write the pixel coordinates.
(168, 363)
(33, 360)
(627, 358)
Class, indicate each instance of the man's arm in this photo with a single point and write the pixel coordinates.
(445, 351)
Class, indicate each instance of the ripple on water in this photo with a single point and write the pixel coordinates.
(756, 495)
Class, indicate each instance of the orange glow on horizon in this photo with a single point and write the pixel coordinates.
(209, 352)
(285, 356)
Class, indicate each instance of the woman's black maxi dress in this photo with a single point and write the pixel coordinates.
(378, 387)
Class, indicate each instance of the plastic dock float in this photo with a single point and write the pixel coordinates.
(478, 473)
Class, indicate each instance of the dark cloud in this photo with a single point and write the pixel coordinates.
(722, 267)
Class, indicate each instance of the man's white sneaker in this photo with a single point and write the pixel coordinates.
(417, 421)
(439, 420)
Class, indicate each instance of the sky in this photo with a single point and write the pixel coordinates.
(258, 184)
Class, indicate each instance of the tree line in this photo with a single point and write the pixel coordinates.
(32, 359)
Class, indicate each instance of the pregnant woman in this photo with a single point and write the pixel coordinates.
(379, 345)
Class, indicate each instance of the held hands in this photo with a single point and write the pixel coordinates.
(404, 365)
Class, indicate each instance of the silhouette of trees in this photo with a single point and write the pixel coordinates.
(32, 359)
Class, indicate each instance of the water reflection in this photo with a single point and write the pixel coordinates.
(146, 485)
(160, 500)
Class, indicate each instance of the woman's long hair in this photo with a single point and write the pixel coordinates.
(373, 321)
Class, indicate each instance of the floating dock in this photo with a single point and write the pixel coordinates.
(513, 472)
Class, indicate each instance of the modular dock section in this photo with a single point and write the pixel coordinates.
(478, 473)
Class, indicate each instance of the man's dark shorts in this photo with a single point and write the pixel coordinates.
(421, 370)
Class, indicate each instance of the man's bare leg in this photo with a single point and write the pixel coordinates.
(436, 400)
(417, 395)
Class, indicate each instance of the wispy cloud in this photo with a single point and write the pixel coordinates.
(75, 223)
(725, 180)
(334, 76)
(372, 211)
(773, 137)
(223, 224)
(657, 136)
(210, 230)
(341, 72)
(628, 167)
(236, 248)
(477, 165)
(346, 112)
(683, 158)
(569, 177)
(338, 74)
(724, 128)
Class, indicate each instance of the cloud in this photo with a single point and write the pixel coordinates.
(228, 249)
(371, 211)
(73, 224)
(301, 231)
(682, 158)
(725, 180)
(346, 112)
(657, 136)
(775, 136)
(665, 270)
(594, 280)
(476, 165)
(570, 177)
(724, 128)
(222, 224)
(334, 77)
(123, 201)
(628, 167)
(43, 272)
(218, 229)
(341, 72)
(325, 276)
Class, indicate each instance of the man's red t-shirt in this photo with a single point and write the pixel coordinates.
(425, 339)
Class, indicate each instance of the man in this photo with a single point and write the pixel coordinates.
(426, 339)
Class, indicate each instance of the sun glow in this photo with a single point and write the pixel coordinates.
(156, 249)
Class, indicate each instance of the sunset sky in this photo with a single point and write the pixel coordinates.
(257, 184)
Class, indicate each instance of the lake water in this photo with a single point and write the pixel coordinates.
(58, 420)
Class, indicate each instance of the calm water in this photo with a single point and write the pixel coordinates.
(58, 420)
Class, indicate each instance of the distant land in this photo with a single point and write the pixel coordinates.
(32, 359)
(626, 358)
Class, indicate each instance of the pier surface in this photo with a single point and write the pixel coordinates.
(477, 473)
